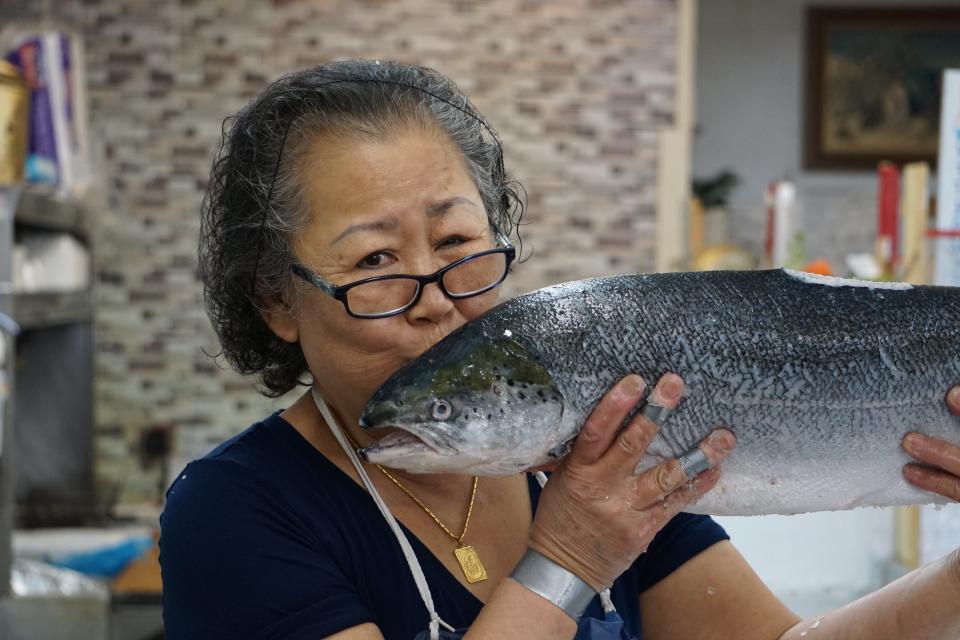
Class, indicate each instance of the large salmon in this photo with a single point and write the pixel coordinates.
(820, 378)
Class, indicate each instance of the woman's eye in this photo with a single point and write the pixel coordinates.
(375, 260)
(452, 241)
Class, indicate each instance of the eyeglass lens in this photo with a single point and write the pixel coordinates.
(467, 278)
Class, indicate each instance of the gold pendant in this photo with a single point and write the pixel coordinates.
(470, 563)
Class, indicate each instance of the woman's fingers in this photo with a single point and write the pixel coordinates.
(941, 472)
(688, 494)
(933, 451)
(928, 479)
(595, 515)
(945, 479)
(604, 423)
(631, 443)
(953, 400)
(657, 483)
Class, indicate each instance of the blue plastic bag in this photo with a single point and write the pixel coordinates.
(107, 562)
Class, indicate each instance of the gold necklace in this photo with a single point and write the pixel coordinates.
(467, 556)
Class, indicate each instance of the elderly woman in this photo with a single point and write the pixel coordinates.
(358, 212)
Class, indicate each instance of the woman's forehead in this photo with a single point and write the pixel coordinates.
(351, 182)
(432, 211)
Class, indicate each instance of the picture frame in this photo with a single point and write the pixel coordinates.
(873, 80)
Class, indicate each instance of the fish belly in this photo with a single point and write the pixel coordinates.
(789, 462)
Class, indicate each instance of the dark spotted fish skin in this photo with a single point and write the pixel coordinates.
(820, 378)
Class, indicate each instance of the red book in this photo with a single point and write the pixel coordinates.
(888, 214)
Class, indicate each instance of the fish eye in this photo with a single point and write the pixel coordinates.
(441, 409)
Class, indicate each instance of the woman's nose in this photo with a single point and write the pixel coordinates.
(433, 304)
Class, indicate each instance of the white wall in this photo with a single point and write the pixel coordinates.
(818, 561)
(749, 110)
(750, 96)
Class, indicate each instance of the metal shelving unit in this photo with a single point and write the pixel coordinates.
(47, 309)
(49, 371)
(7, 204)
(34, 210)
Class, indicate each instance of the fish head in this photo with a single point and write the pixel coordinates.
(471, 405)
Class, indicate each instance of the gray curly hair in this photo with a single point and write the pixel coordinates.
(254, 208)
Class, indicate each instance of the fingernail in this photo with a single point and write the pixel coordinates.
(670, 389)
(722, 440)
(953, 397)
(911, 472)
(914, 443)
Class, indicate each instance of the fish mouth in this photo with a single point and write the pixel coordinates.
(404, 442)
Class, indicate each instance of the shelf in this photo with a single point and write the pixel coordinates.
(44, 212)
(49, 308)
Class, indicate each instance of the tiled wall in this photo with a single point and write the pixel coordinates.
(578, 90)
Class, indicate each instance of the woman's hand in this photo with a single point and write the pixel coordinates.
(944, 456)
(595, 516)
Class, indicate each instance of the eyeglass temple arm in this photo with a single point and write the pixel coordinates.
(313, 278)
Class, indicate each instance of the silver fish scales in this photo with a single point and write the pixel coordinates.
(819, 378)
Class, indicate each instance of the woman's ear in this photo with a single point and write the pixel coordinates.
(281, 321)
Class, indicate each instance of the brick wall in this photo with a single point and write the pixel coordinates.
(578, 90)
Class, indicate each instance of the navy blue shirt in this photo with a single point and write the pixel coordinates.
(266, 538)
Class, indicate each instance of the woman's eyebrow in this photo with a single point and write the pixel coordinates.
(440, 208)
(377, 225)
(433, 210)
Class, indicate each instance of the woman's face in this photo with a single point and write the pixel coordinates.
(404, 204)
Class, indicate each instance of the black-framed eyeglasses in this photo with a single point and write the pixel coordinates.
(385, 296)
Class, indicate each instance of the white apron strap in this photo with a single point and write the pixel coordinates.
(418, 577)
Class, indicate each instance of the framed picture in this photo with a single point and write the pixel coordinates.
(873, 84)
